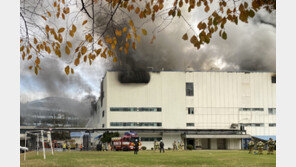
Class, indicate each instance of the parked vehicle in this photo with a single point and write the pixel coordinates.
(23, 149)
(126, 142)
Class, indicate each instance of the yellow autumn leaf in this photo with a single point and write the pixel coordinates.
(71, 33)
(67, 10)
(125, 51)
(49, 14)
(113, 46)
(98, 51)
(67, 70)
(36, 70)
(138, 38)
(83, 50)
(114, 59)
(99, 43)
(37, 61)
(72, 71)
(29, 57)
(128, 36)
(30, 67)
(58, 52)
(76, 62)
(35, 41)
(77, 49)
(61, 30)
(131, 23)
(22, 48)
(23, 56)
(126, 45)
(185, 37)
(84, 22)
(67, 50)
(137, 10)
(44, 18)
(144, 31)
(69, 44)
(134, 45)
(73, 28)
(118, 32)
(124, 29)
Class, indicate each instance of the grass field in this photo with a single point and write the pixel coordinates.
(149, 158)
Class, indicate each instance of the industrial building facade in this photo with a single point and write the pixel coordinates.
(191, 101)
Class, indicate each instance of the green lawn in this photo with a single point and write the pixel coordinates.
(150, 158)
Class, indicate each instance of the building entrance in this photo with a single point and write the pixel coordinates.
(221, 144)
(190, 142)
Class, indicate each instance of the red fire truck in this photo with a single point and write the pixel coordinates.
(126, 142)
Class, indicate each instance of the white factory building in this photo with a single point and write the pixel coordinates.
(203, 109)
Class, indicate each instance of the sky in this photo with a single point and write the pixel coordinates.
(248, 47)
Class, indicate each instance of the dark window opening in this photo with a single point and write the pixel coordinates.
(190, 110)
(272, 111)
(273, 79)
(103, 113)
(189, 124)
(189, 89)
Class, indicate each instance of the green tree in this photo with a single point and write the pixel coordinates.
(108, 135)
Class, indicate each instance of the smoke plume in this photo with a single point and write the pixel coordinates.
(249, 47)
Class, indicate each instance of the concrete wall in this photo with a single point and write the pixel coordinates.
(216, 101)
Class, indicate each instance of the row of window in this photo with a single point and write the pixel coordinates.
(136, 109)
(251, 109)
(137, 124)
(258, 125)
(190, 90)
(151, 138)
(271, 111)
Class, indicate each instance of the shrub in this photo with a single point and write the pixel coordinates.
(144, 148)
(152, 148)
(189, 147)
(169, 148)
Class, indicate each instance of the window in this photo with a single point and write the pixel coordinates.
(103, 125)
(247, 125)
(135, 109)
(151, 138)
(190, 110)
(259, 125)
(251, 109)
(253, 125)
(273, 79)
(103, 113)
(189, 89)
(137, 124)
(272, 111)
(189, 124)
(272, 125)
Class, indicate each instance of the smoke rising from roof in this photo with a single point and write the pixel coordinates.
(249, 46)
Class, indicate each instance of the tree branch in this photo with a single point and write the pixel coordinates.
(111, 18)
(83, 8)
(27, 33)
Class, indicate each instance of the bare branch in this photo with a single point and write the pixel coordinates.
(27, 33)
(83, 8)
